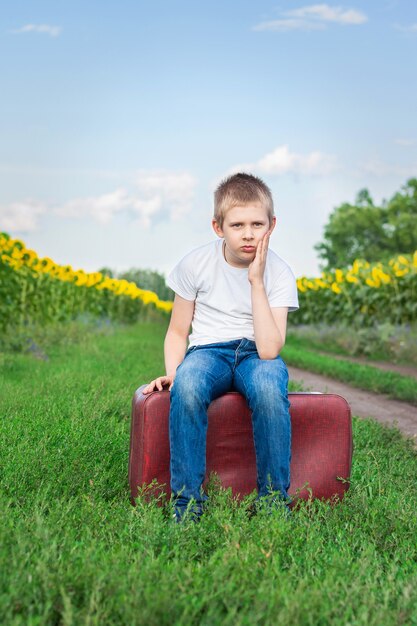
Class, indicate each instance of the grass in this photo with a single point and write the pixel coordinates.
(362, 376)
(74, 551)
(382, 342)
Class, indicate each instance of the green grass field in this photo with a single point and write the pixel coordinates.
(358, 375)
(380, 342)
(74, 551)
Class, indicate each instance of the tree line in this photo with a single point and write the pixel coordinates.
(364, 230)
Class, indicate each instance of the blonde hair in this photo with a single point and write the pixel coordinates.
(241, 189)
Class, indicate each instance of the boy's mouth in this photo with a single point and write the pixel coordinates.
(248, 248)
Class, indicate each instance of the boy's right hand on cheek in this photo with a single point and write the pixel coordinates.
(159, 383)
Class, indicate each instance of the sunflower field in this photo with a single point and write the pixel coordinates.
(362, 294)
(37, 290)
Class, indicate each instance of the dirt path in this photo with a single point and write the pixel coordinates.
(363, 403)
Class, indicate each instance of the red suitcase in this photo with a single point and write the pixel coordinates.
(321, 444)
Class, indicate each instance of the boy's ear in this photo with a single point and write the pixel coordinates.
(217, 229)
(273, 224)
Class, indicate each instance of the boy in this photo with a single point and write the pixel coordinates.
(236, 295)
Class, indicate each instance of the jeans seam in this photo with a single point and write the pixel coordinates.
(221, 378)
(236, 355)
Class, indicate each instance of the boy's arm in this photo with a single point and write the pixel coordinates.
(175, 344)
(270, 324)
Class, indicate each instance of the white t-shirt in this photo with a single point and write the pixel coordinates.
(222, 293)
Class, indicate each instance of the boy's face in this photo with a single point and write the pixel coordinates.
(242, 230)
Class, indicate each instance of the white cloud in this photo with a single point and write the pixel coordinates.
(282, 161)
(376, 167)
(101, 208)
(163, 190)
(411, 28)
(156, 194)
(405, 142)
(21, 216)
(288, 24)
(46, 29)
(327, 13)
(313, 17)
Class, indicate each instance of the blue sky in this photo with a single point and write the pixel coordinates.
(119, 118)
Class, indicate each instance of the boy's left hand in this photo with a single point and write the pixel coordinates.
(257, 267)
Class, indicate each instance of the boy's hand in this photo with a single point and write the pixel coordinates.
(159, 383)
(257, 267)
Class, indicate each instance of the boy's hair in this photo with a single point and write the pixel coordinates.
(241, 189)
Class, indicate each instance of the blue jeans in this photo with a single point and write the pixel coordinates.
(206, 373)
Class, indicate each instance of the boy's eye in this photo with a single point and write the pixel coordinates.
(239, 224)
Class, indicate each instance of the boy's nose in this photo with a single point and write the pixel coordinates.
(248, 234)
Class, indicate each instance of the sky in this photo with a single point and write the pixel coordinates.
(118, 120)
